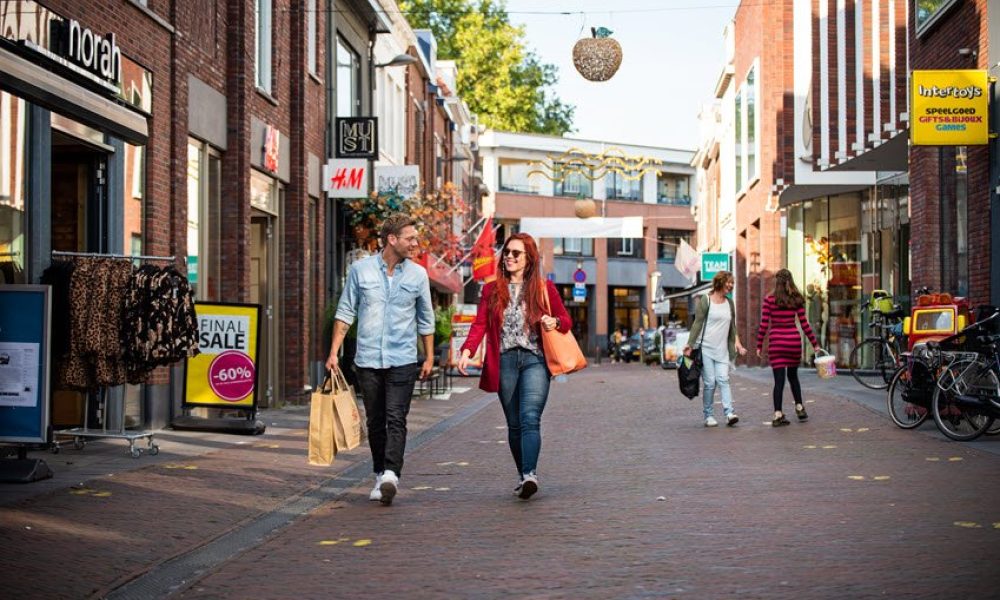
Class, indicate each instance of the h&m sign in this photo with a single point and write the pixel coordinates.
(98, 55)
(346, 178)
(357, 137)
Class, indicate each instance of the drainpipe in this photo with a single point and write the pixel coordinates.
(332, 283)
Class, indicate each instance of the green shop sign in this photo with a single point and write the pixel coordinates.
(712, 263)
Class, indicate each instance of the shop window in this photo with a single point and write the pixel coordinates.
(135, 183)
(573, 246)
(667, 241)
(348, 80)
(954, 233)
(262, 66)
(623, 186)
(738, 125)
(204, 221)
(573, 183)
(13, 169)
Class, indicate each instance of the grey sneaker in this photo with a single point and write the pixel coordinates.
(711, 422)
(388, 487)
(529, 485)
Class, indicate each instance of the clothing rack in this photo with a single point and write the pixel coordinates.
(111, 255)
(80, 434)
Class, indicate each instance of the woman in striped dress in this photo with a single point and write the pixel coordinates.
(777, 322)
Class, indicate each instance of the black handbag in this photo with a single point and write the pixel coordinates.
(689, 369)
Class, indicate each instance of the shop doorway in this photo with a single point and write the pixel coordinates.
(263, 291)
(579, 314)
(78, 223)
(626, 309)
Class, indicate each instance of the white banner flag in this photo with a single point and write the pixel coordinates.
(594, 227)
(687, 260)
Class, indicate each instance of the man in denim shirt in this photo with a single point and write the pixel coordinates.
(391, 298)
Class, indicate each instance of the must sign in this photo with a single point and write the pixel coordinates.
(712, 263)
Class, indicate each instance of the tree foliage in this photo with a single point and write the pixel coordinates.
(498, 77)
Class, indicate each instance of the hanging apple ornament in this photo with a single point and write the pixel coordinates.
(597, 58)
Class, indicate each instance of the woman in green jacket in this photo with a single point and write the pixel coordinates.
(714, 331)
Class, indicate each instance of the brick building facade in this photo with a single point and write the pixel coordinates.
(950, 187)
(209, 149)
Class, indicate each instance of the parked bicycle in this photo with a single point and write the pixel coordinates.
(876, 359)
(966, 402)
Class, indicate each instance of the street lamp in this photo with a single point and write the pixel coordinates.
(398, 61)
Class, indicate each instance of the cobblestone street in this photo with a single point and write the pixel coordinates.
(637, 499)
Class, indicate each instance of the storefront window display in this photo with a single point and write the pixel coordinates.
(13, 118)
(824, 255)
(204, 221)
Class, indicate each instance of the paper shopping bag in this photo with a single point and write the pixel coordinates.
(322, 424)
(347, 419)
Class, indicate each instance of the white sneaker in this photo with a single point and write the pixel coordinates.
(732, 419)
(529, 485)
(711, 422)
(388, 487)
(517, 490)
(376, 493)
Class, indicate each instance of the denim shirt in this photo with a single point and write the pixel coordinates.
(390, 316)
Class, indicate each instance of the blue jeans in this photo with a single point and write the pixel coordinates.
(524, 388)
(715, 374)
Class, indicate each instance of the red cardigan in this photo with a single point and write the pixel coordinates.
(488, 324)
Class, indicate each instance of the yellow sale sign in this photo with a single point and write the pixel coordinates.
(224, 373)
(950, 108)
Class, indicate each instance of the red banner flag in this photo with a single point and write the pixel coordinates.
(484, 264)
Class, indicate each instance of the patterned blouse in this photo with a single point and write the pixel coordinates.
(515, 333)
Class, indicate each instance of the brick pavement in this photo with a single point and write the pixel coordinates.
(843, 506)
(105, 519)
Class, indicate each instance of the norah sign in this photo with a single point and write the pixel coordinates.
(98, 55)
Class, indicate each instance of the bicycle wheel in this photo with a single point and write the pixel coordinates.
(960, 419)
(872, 364)
(906, 409)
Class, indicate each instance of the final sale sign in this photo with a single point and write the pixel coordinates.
(224, 373)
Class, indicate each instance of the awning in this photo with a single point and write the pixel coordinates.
(701, 287)
(794, 194)
(892, 155)
(42, 87)
(594, 227)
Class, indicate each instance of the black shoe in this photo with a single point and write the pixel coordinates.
(529, 485)
(801, 413)
(779, 421)
(732, 420)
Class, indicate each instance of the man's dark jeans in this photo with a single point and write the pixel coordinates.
(387, 395)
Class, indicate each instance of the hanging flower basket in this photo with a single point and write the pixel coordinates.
(597, 58)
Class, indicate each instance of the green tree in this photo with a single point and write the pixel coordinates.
(498, 77)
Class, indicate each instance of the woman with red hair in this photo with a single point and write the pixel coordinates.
(512, 313)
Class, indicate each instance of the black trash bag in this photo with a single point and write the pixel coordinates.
(689, 374)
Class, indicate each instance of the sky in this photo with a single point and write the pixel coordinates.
(672, 56)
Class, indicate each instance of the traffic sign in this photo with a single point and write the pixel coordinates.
(580, 276)
(579, 292)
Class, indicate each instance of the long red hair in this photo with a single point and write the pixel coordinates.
(532, 288)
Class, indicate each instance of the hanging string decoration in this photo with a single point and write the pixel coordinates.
(597, 58)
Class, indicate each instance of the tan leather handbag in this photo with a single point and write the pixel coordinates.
(562, 353)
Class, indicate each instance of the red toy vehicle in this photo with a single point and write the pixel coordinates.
(936, 317)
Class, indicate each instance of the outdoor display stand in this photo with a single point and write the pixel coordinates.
(107, 395)
(25, 313)
(224, 373)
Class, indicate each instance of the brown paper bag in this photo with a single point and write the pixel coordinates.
(347, 419)
(322, 426)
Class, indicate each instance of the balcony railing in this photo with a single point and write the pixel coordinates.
(519, 188)
(674, 200)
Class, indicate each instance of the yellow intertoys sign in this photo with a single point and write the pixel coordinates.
(950, 108)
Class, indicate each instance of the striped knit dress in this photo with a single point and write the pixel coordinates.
(785, 347)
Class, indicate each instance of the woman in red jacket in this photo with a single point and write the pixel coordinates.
(511, 315)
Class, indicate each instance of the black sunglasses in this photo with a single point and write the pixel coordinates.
(515, 253)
